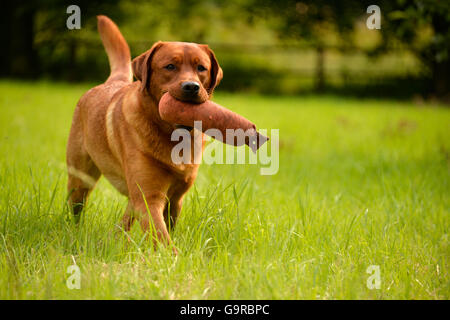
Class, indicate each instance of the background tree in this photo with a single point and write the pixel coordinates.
(36, 39)
(38, 44)
(410, 22)
(403, 22)
(312, 22)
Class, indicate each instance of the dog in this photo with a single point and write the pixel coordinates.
(117, 130)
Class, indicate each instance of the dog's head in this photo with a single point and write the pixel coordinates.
(188, 71)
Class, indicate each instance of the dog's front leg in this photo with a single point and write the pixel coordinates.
(148, 187)
(153, 208)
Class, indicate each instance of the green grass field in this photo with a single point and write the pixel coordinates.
(360, 183)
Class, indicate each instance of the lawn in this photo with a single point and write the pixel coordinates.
(360, 183)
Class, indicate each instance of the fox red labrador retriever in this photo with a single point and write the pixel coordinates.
(117, 130)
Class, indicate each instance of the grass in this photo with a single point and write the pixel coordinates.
(361, 182)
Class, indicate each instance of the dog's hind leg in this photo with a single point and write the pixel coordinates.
(83, 173)
(82, 179)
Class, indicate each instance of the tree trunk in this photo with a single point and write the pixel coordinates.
(72, 44)
(6, 36)
(441, 83)
(441, 67)
(22, 60)
(320, 73)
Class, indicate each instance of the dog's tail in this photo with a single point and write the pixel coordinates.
(117, 50)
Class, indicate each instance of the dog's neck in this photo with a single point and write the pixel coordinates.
(147, 108)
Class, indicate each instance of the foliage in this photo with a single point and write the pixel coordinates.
(409, 22)
(38, 44)
(405, 22)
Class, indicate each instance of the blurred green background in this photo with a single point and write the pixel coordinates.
(270, 47)
(362, 181)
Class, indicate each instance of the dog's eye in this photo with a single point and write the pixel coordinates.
(169, 67)
(201, 68)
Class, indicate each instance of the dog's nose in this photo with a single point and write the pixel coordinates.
(190, 87)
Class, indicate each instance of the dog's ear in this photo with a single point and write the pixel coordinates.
(142, 65)
(216, 71)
